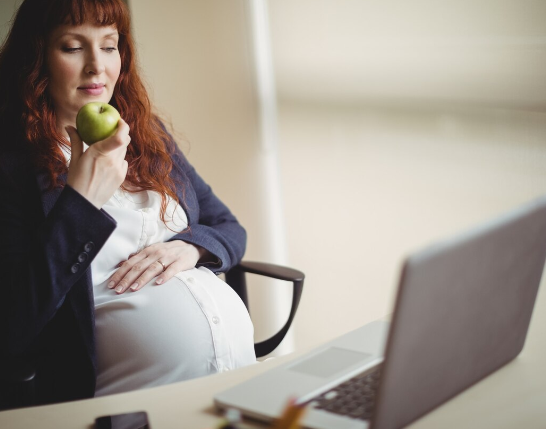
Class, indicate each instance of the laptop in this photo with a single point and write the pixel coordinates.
(462, 311)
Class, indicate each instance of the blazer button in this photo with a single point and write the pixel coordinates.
(89, 246)
(82, 257)
(75, 268)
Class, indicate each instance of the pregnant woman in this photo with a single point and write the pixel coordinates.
(109, 253)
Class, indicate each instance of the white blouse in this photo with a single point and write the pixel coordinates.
(190, 326)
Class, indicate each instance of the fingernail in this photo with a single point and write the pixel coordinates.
(111, 284)
(159, 281)
(119, 289)
(134, 287)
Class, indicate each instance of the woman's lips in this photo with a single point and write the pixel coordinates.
(92, 89)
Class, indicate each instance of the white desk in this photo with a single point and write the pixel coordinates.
(513, 397)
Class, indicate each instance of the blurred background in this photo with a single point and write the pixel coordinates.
(345, 134)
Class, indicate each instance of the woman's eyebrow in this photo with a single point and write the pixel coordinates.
(112, 35)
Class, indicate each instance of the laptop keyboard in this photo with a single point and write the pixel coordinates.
(353, 398)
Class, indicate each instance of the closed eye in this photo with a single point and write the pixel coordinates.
(71, 50)
(109, 49)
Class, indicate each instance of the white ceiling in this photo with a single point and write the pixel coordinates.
(490, 52)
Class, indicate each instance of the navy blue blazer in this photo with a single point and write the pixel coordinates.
(48, 239)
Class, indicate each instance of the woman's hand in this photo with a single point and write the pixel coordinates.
(162, 260)
(101, 169)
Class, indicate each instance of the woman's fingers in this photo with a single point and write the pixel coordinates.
(161, 260)
(120, 139)
(171, 270)
(137, 276)
(125, 275)
(135, 273)
(155, 269)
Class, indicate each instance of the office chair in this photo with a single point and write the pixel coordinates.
(17, 376)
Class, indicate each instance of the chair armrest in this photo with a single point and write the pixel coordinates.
(237, 276)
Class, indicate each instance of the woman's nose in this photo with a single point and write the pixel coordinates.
(94, 65)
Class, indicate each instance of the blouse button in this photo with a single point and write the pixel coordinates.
(191, 280)
(215, 320)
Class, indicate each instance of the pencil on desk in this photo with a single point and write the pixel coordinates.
(291, 416)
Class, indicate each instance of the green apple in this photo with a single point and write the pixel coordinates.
(96, 121)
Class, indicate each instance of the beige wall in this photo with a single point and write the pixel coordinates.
(400, 123)
(369, 185)
(468, 51)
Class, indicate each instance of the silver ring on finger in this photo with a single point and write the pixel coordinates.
(163, 265)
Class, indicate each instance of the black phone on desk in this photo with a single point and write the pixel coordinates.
(135, 420)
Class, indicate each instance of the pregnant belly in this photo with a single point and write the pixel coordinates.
(191, 326)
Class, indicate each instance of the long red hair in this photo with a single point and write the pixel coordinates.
(26, 105)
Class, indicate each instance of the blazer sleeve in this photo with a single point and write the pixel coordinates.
(41, 256)
(211, 224)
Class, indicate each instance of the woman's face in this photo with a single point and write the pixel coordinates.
(84, 66)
